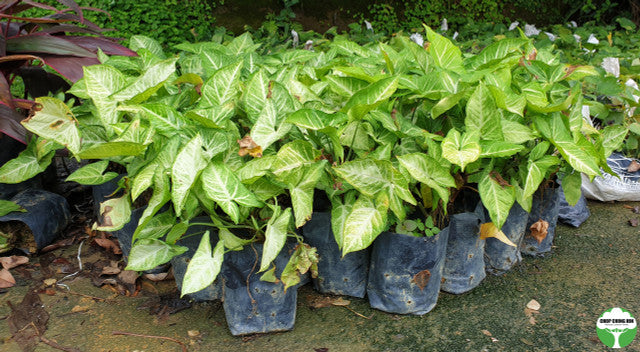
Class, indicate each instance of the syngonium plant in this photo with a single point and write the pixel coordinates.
(29, 44)
(383, 129)
(205, 133)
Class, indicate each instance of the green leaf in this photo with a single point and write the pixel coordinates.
(366, 99)
(161, 195)
(370, 177)
(537, 172)
(496, 53)
(578, 158)
(185, 170)
(255, 95)
(613, 137)
(497, 199)
(204, 267)
(293, 156)
(222, 86)
(176, 232)
(269, 127)
(508, 100)
(539, 150)
(345, 86)
(365, 222)
(148, 83)
(275, 236)
(428, 171)
(461, 149)
(148, 253)
(92, 174)
(315, 119)
(25, 166)
(111, 149)
(156, 227)
(301, 189)
(102, 81)
(138, 42)
(114, 214)
(56, 122)
(446, 103)
(339, 212)
(231, 241)
(517, 132)
(499, 149)
(7, 206)
(483, 114)
(164, 118)
(225, 188)
(444, 53)
(572, 187)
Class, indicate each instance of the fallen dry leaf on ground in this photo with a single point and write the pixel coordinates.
(539, 230)
(108, 245)
(533, 304)
(13, 261)
(486, 332)
(421, 279)
(6, 279)
(634, 209)
(322, 302)
(634, 222)
(28, 321)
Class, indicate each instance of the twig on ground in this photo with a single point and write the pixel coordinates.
(57, 345)
(358, 314)
(89, 296)
(184, 347)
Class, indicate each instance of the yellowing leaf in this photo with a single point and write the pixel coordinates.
(490, 230)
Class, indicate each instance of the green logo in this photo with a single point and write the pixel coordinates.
(616, 328)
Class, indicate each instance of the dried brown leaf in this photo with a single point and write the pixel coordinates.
(109, 270)
(322, 302)
(486, 332)
(421, 279)
(634, 166)
(13, 261)
(128, 277)
(539, 230)
(6, 279)
(249, 146)
(634, 222)
(108, 245)
(534, 305)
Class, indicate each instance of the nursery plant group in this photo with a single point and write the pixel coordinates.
(396, 135)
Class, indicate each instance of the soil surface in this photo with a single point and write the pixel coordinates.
(591, 269)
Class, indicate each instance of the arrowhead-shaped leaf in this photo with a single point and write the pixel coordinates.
(497, 199)
(92, 174)
(147, 253)
(204, 267)
(365, 222)
(186, 169)
(444, 53)
(56, 122)
(114, 214)
(224, 187)
(461, 150)
(275, 236)
(222, 86)
(483, 114)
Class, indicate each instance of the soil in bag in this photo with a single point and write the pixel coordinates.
(336, 274)
(543, 219)
(191, 239)
(406, 271)
(46, 215)
(499, 257)
(250, 304)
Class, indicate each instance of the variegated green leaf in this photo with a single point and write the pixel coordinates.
(92, 174)
(185, 170)
(147, 253)
(363, 224)
(461, 149)
(275, 236)
(56, 122)
(204, 267)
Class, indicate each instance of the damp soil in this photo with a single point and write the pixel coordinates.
(591, 269)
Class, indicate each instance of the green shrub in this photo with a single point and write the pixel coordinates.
(170, 22)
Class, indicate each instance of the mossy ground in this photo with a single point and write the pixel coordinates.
(592, 268)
